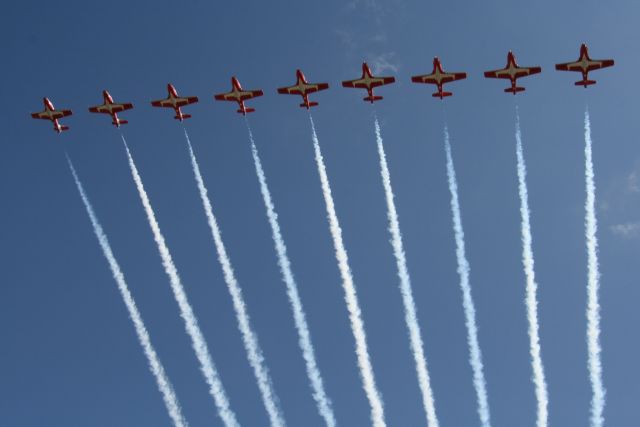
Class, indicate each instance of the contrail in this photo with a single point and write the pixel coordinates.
(164, 385)
(593, 306)
(350, 295)
(304, 337)
(531, 289)
(475, 355)
(200, 347)
(410, 311)
(249, 338)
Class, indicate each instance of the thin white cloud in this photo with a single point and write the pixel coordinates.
(627, 230)
(633, 182)
(384, 62)
(347, 38)
(370, 5)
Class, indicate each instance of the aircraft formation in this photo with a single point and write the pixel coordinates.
(438, 77)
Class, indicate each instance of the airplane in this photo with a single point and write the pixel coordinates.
(512, 72)
(112, 109)
(368, 82)
(439, 77)
(303, 88)
(50, 113)
(174, 101)
(238, 95)
(583, 65)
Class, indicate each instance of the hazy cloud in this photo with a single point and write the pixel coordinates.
(627, 230)
(384, 62)
(347, 38)
(633, 182)
(370, 5)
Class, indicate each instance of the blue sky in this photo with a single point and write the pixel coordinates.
(70, 356)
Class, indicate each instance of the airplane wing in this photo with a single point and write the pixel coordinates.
(497, 74)
(179, 102)
(41, 115)
(229, 96)
(56, 114)
(591, 65)
(115, 108)
(504, 73)
(569, 66)
(291, 90)
(238, 96)
(444, 78)
(373, 82)
(527, 71)
(309, 88)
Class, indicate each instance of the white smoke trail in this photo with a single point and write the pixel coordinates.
(593, 306)
(475, 355)
(532, 287)
(164, 385)
(304, 337)
(350, 295)
(200, 347)
(410, 311)
(249, 338)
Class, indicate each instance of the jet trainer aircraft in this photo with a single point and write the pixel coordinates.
(112, 109)
(439, 77)
(584, 64)
(238, 95)
(512, 72)
(368, 82)
(303, 88)
(174, 101)
(50, 113)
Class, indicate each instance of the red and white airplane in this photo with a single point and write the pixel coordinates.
(50, 113)
(439, 77)
(112, 109)
(584, 64)
(368, 82)
(238, 95)
(303, 88)
(174, 101)
(512, 72)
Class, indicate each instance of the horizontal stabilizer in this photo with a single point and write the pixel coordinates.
(514, 90)
(585, 83)
(184, 116)
(311, 104)
(63, 128)
(441, 94)
(246, 110)
(372, 98)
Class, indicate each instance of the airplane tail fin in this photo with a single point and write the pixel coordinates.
(441, 94)
(119, 122)
(585, 83)
(182, 117)
(61, 129)
(514, 90)
(372, 98)
(243, 112)
(307, 106)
